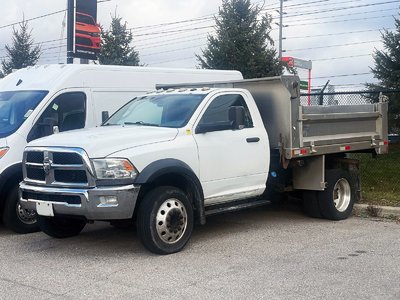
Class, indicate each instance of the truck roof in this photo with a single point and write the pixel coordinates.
(48, 77)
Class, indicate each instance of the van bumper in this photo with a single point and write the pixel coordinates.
(100, 203)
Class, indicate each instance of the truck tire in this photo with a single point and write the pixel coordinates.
(165, 220)
(15, 217)
(311, 204)
(337, 200)
(61, 227)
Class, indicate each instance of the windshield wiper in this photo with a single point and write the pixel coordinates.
(141, 123)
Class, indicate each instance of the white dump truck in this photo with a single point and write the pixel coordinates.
(36, 101)
(172, 157)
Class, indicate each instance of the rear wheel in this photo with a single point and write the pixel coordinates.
(15, 217)
(337, 200)
(311, 204)
(165, 220)
(61, 227)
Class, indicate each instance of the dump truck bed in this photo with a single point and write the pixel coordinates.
(300, 131)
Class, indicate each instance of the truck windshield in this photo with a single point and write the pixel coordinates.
(157, 110)
(16, 107)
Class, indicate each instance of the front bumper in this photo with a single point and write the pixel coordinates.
(83, 202)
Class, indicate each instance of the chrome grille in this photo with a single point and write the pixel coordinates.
(66, 167)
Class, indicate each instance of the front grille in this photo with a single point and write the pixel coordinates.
(35, 174)
(58, 167)
(74, 176)
(52, 198)
(83, 41)
(35, 157)
(62, 158)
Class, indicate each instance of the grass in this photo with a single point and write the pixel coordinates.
(380, 177)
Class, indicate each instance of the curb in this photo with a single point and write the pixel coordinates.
(381, 211)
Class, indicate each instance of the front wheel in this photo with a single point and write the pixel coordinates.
(61, 227)
(15, 217)
(165, 220)
(337, 200)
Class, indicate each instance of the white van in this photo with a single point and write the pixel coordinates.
(38, 101)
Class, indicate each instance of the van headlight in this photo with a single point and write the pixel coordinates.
(114, 168)
(3, 151)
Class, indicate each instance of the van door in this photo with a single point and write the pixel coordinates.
(66, 112)
(233, 163)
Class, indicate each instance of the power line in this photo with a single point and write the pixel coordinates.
(331, 46)
(332, 34)
(336, 21)
(35, 18)
(44, 16)
(342, 57)
(340, 8)
(342, 75)
(342, 15)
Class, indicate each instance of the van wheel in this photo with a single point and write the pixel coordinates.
(337, 200)
(15, 217)
(311, 204)
(165, 220)
(61, 227)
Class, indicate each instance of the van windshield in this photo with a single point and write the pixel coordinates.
(16, 107)
(162, 110)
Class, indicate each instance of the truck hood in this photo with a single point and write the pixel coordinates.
(106, 140)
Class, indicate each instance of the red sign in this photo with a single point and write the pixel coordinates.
(87, 30)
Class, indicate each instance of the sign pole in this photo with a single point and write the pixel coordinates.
(70, 31)
(309, 87)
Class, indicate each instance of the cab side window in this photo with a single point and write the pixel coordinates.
(67, 112)
(218, 111)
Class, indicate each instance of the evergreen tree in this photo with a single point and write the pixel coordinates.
(116, 46)
(21, 53)
(242, 42)
(387, 71)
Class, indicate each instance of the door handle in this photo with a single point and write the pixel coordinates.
(253, 140)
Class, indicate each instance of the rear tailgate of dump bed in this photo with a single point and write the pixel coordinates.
(340, 128)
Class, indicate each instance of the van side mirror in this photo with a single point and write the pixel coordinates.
(104, 116)
(236, 116)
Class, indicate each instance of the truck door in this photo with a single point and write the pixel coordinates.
(233, 163)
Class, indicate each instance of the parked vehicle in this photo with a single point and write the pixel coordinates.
(170, 158)
(87, 32)
(36, 101)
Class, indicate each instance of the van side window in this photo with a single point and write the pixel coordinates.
(67, 111)
(218, 110)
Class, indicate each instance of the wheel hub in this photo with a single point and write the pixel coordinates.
(342, 194)
(26, 216)
(171, 221)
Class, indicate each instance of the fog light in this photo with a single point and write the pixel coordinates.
(108, 201)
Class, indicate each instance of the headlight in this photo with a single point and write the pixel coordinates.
(114, 168)
(3, 151)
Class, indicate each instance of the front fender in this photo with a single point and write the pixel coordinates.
(173, 166)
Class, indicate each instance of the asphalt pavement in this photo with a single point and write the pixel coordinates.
(257, 254)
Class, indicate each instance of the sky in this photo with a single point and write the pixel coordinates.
(338, 36)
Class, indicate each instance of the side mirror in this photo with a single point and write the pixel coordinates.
(104, 116)
(237, 116)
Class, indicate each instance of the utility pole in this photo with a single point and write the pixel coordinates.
(70, 31)
(280, 28)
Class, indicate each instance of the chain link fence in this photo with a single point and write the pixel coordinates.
(380, 175)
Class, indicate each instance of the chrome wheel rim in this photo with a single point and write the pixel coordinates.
(27, 216)
(171, 221)
(342, 194)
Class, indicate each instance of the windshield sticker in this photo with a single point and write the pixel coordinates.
(28, 113)
(55, 106)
